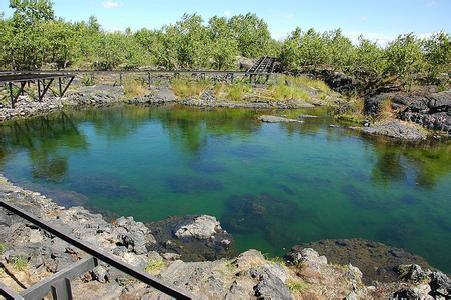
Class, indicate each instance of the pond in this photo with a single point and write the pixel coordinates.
(270, 185)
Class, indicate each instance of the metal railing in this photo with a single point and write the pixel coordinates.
(59, 284)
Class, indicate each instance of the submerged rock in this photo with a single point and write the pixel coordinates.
(194, 238)
(377, 261)
(276, 119)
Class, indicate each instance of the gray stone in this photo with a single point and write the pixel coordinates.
(308, 257)
(411, 272)
(100, 274)
(276, 119)
(202, 227)
(271, 287)
(440, 285)
(395, 129)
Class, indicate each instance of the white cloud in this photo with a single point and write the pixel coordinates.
(227, 13)
(110, 4)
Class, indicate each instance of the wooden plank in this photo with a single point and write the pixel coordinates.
(8, 293)
(108, 258)
(57, 281)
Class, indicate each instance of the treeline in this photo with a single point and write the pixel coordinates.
(408, 60)
(35, 38)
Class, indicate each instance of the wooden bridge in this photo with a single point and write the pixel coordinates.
(17, 81)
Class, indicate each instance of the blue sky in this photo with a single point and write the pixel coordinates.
(380, 20)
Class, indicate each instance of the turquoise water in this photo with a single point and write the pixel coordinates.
(270, 185)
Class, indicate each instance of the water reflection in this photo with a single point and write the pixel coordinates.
(43, 138)
(278, 184)
(431, 161)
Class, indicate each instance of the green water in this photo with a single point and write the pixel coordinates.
(271, 185)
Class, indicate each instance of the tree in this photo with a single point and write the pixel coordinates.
(224, 47)
(31, 12)
(405, 59)
(368, 61)
(251, 33)
(437, 50)
(194, 42)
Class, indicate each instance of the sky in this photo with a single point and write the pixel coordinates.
(381, 20)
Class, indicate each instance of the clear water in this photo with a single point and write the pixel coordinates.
(271, 185)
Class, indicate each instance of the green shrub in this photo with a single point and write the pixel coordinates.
(20, 263)
(155, 266)
(237, 91)
(87, 80)
(296, 285)
(3, 248)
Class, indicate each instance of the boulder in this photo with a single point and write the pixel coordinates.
(306, 256)
(411, 273)
(202, 228)
(440, 285)
(395, 129)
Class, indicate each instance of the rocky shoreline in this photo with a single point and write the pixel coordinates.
(303, 273)
(415, 112)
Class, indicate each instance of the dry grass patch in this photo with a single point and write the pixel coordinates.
(183, 88)
(134, 88)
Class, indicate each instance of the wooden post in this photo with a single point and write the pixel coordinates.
(39, 90)
(13, 101)
(60, 87)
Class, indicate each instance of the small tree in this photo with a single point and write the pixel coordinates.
(438, 55)
(405, 59)
(251, 33)
(224, 47)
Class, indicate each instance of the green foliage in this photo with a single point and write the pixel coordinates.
(282, 91)
(3, 248)
(296, 285)
(154, 266)
(407, 60)
(251, 33)
(237, 91)
(33, 38)
(87, 80)
(184, 89)
(20, 263)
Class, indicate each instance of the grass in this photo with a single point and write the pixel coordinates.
(296, 286)
(237, 91)
(281, 91)
(20, 263)
(87, 80)
(183, 88)
(218, 89)
(154, 266)
(276, 260)
(385, 109)
(356, 112)
(3, 248)
(134, 88)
